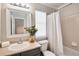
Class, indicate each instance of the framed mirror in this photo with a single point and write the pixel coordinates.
(16, 21)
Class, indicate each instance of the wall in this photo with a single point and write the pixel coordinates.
(0, 21)
(3, 22)
(70, 25)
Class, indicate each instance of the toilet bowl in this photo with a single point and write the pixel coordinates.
(44, 45)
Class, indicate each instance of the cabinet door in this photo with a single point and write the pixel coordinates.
(34, 52)
(19, 54)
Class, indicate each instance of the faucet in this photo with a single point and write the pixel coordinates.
(20, 41)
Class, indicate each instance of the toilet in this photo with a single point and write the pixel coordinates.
(44, 45)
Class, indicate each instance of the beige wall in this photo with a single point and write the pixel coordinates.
(3, 22)
(70, 25)
(0, 21)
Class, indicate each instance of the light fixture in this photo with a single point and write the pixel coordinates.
(23, 5)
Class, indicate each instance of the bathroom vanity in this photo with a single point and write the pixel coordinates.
(28, 49)
(33, 52)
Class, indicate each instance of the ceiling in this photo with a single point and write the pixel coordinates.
(53, 5)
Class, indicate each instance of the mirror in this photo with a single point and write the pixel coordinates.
(16, 21)
(17, 26)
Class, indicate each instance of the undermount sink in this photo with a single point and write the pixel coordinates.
(18, 47)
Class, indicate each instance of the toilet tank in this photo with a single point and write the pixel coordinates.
(44, 45)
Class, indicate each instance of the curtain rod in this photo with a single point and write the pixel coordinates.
(64, 6)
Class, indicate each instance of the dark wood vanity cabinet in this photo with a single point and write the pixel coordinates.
(33, 52)
(18, 54)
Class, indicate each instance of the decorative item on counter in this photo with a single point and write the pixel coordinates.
(4, 44)
(32, 30)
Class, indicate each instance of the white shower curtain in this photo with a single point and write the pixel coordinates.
(54, 33)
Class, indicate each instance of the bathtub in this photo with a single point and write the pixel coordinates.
(70, 52)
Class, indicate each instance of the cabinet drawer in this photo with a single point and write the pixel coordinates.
(16, 54)
(33, 52)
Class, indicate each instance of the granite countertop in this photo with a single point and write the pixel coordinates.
(5, 51)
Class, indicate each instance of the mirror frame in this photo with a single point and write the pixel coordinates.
(8, 31)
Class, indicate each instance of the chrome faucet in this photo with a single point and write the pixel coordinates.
(20, 41)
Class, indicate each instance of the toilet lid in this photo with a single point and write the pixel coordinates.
(48, 53)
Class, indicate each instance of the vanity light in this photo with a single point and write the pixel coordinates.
(23, 5)
(27, 5)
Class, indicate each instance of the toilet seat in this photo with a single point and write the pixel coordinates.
(48, 53)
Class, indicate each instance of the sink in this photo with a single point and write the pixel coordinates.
(18, 47)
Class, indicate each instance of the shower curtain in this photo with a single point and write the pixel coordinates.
(54, 33)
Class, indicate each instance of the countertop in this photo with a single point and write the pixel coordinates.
(5, 51)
